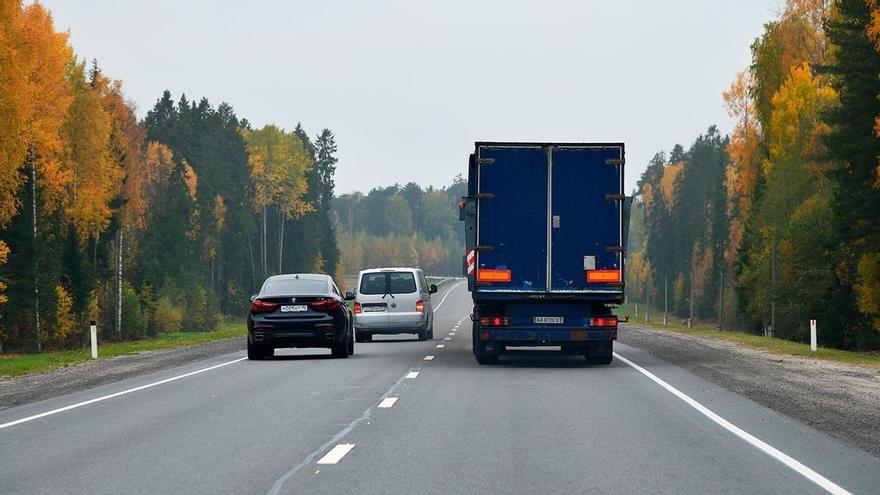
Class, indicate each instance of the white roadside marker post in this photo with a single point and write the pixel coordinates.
(813, 335)
(93, 331)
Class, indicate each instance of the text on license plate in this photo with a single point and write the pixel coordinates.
(295, 308)
(553, 320)
(374, 309)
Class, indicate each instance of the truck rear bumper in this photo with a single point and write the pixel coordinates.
(546, 336)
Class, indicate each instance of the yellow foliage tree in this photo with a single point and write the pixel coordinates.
(65, 323)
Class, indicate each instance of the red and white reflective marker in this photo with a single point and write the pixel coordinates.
(471, 262)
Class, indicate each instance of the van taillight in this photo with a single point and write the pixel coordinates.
(258, 306)
(328, 304)
(420, 306)
(357, 308)
(605, 321)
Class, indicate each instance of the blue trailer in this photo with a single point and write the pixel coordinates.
(546, 230)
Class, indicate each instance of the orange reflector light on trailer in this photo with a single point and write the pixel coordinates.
(603, 275)
(493, 275)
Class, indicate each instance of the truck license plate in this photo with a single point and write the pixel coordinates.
(296, 308)
(553, 320)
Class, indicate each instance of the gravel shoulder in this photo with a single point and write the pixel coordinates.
(36, 387)
(838, 399)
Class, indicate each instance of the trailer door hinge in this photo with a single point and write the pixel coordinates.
(614, 161)
(483, 161)
(615, 197)
(485, 196)
(614, 249)
(484, 248)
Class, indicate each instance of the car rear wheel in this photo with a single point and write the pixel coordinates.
(253, 352)
(339, 350)
(423, 333)
(351, 344)
(363, 337)
(268, 352)
(431, 331)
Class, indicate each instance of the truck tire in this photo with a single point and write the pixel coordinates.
(600, 359)
(484, 357)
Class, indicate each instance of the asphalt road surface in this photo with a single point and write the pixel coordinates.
(392, 419)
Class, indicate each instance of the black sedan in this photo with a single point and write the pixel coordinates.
(300, 310)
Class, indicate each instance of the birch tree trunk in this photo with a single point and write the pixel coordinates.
(119, 285)
(36, 258)
(280, 240)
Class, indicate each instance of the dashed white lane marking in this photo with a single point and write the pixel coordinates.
(768, 449)
(448, 338)
(387, 402)
(441, 346)
(429, 357)
(117, 394)
(412, 374)
(437, 308)
(336, 453)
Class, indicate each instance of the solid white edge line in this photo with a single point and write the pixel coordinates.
(412, 374)
(768, 449)
(437, 308)
(387, 402)
(336, 453)
(117, 394)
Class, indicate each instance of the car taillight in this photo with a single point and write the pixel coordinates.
(263, 307)
(420, 306)
(605, 321)
(328, 304)
(494, 321)
(357, 308)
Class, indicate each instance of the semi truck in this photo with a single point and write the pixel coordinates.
(545, 229)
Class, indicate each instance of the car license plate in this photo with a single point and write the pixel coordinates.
(295, 308)
(374, 309)
(553, 320)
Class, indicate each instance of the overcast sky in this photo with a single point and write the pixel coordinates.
(407, 86)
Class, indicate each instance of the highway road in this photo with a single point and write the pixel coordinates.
(405, 417)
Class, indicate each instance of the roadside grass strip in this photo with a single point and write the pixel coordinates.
(12, 365)
(768, 449)
(336, 453)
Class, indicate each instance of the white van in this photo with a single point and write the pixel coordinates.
(392, 301)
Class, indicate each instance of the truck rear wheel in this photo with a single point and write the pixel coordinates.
(484, 357)
(600, 353)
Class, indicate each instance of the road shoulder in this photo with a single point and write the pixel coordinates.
(31, 388)
(839, 399)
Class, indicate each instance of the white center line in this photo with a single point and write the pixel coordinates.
(448, 338)
(117, 394)
(441, 346)
(429, 357)
(768, 449)
(412, 374)
(387, 402)
(336, 453)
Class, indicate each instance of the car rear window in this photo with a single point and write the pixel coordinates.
(388, 283)
(293, 286)
(401, 283)
(373, 283)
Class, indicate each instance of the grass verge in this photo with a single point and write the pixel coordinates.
(12, 365)
(776, 346)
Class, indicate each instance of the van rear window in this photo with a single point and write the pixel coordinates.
(388, 283)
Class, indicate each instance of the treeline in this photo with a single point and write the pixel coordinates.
(159, 225)
(402, 226)
(779, 223)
